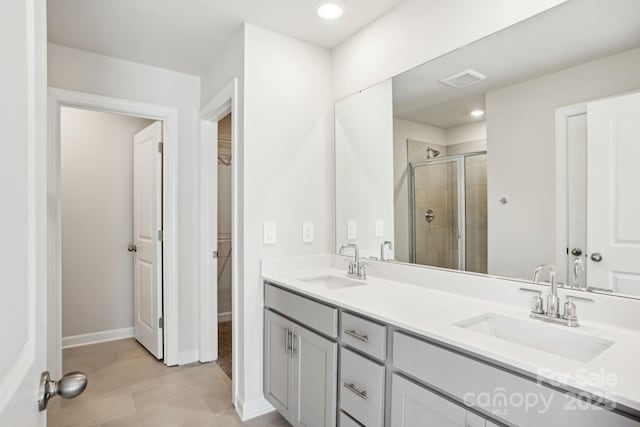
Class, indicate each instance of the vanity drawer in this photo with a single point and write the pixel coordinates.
(361, 388)
(364, 335)
(320, 317)
(347, 421)
(491, 389)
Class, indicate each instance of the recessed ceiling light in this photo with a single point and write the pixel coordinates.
(476, 113)
(330, 10)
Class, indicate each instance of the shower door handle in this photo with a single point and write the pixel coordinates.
(430, 215)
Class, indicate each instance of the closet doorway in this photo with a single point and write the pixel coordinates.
(224, 250)
(220, 225)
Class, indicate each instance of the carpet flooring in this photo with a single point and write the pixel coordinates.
(224, 347)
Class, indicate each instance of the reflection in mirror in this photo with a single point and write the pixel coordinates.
(518, 150)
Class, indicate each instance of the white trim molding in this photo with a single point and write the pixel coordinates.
(169, 116)
(96, 337)
(226, 101)
(562, 182)
(224, 317)
(253, 409)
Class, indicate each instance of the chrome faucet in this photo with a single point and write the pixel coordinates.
(382, 246)
(357, 269)
(569, 317)
(578, 267)
(553, 302)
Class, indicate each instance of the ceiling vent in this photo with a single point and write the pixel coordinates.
(463, 79)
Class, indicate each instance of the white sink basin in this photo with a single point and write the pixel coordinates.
(334, 282)
(538, 335)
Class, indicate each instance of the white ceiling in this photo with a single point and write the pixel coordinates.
(184, 35)
(573, 33)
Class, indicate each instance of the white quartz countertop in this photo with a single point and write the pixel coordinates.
(613, 374)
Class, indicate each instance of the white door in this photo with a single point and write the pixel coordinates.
(147, 232)
(614, 194)
(23, 214)
(209, 232)
(573, 272)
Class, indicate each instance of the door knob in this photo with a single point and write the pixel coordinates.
(576, 251)
(596, 257)
(71, 385)
(429, 215)
(132, 248)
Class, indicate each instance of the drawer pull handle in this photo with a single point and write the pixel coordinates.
(362, 394)
(353, 333)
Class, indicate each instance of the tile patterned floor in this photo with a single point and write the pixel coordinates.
(128, 387)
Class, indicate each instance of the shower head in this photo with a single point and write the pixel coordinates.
(431, 153)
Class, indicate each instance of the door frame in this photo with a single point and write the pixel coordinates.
(223, 103)
(562, 116)
(58, 98)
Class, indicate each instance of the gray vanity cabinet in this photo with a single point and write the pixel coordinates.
(300, 373)
(278, 366)
(415, 406)
(315, 379)
(388, 376)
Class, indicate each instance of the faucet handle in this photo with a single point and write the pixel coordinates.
(362, 270)
(537, 303)
(570, 314)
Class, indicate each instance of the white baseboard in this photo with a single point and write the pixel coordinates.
(253, 409)
(224, 317)
(189, 356)
(97, 337)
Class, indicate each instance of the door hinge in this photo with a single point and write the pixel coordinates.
(160, 235)
(160, 147)
(214, 254)
(161, 323)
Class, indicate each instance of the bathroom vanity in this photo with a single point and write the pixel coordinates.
(379, 352)
(511, 158)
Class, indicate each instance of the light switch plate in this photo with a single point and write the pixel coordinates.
(307, 232)
(379, 228)
(270, 233)
(352, 230)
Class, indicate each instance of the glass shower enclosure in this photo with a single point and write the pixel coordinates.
(448, 209)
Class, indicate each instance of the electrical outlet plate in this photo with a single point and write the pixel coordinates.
(270, 233)
(379, 228)
(352, 231)
(307, 232)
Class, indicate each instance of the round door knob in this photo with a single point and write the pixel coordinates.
(576, 251)
(429, 215)
(132, 248)
(71, 385)
(596, 257)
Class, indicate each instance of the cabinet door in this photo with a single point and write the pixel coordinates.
(278, 361)
(415, 406)
(315, 378)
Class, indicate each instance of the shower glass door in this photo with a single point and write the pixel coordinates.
(436, 213)
(475, 196)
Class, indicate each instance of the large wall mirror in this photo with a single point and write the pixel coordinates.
(518, 150)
